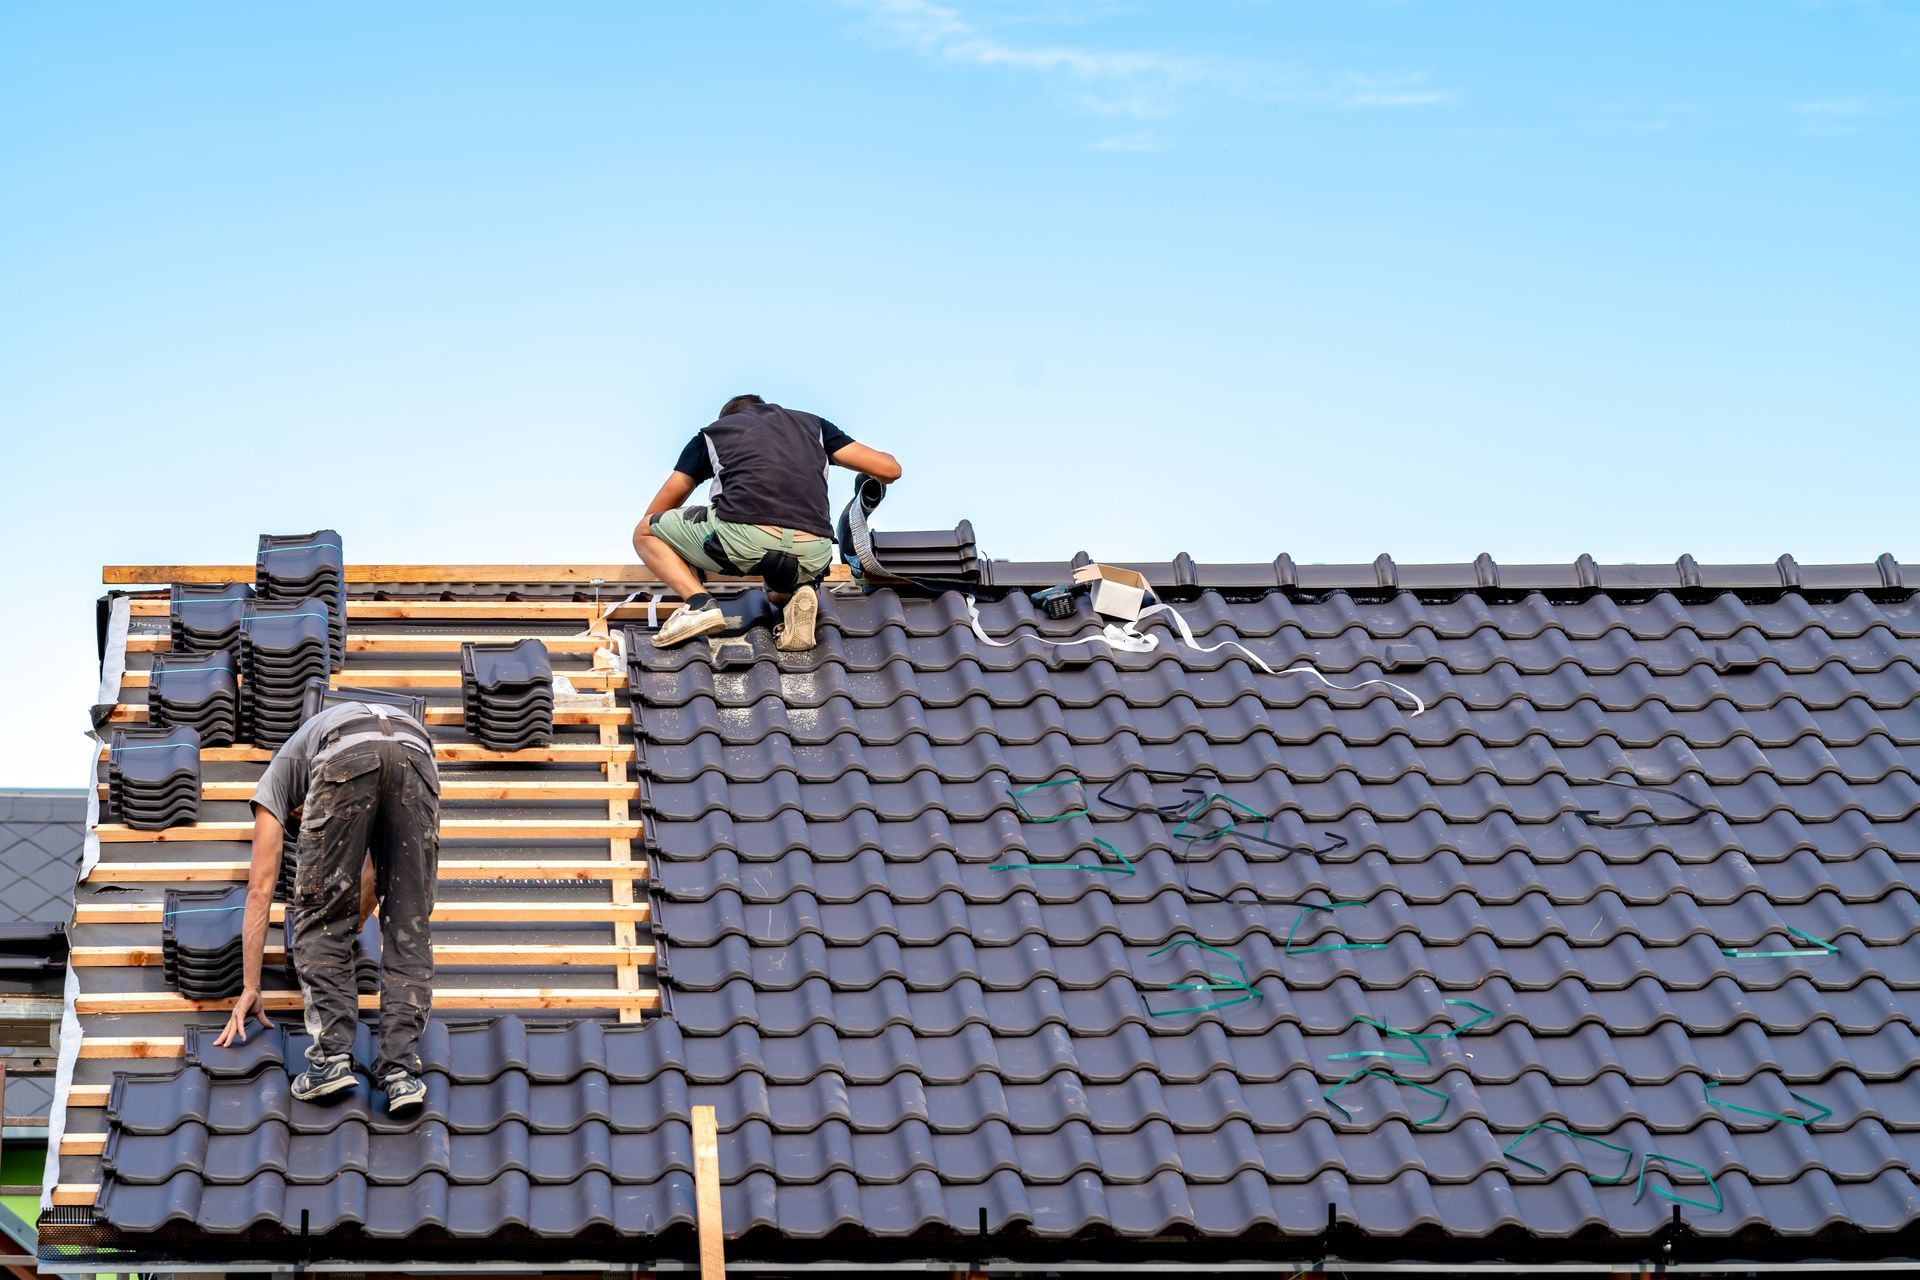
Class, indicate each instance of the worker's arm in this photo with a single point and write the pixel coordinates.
(868, 462)
(678, 488)
(268, 836)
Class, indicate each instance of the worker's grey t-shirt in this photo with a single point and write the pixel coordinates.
(283, 787)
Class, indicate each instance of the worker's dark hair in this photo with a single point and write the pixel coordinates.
(738, 403)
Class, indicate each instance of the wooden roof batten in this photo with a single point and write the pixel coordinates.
(595, 853)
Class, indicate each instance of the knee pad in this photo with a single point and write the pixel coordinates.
(781, 569)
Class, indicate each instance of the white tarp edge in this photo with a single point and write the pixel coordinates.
(113, 665)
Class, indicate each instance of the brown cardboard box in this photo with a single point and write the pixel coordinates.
(1116, 592)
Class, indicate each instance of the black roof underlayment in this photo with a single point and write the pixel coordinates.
(1034, 953)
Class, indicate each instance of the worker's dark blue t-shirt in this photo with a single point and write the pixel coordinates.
(768, 466)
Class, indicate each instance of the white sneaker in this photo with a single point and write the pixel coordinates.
(687, 624)
(796, 632)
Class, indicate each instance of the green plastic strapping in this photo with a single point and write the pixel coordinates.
(1805, 1122)
(1445, 1099)
(1640, 1183)
(1070, 779)
(1463, 1028)
(1125, 868)
(1330, 907)
(1654, 1157)
(1626, 1169)
(1825, 949)
(1416, 1036)
(1220, 982)
(1384, 1029)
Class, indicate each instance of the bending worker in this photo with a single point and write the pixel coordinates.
(770, 516)
(361, 779)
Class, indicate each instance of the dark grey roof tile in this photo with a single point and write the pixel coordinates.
(897, 1034)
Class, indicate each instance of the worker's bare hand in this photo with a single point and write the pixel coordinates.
(236, 1029)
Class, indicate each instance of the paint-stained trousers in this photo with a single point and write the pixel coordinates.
(382, 798)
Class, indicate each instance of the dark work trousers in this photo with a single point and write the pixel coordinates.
(378, 797)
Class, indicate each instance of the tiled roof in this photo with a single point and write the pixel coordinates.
(41, 833)
(1557, 1004)
(852, 906)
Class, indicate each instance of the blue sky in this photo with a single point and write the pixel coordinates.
(1333, 278)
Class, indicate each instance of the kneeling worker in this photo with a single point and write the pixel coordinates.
(770, 515)
(362, 778)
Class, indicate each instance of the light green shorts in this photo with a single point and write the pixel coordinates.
(786, 560)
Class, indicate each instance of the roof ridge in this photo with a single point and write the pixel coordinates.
(1483, 573)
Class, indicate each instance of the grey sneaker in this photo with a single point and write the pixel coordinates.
(688, 624)
(796, 632)
(333, 1075)
(405, 1090)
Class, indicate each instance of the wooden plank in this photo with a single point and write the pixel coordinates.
(706, 1190)
(447, 715)
(87, 1095)
(123, 1047)
(444, 912)
(467, 789)
(467, 610)
(506, 610)
(124, 1002)
(500, 955)
(450, 869)
(75, 1193)
(450, 829)
(366, 679)
(620, 851)
(450, 753)
(83, 1144)
(607, 575)
(424, 642)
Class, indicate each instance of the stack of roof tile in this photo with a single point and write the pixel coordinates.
(944, 555)
(201, 690)
(284, 645)
(200, 941)
(289, 860)
(153, 776)
(205, 617)
(300, 566)
(321, 695)
(506, 693)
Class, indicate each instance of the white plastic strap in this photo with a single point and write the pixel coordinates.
(1128, 639)
(973, 615)
(608, 612)
(1300, 668)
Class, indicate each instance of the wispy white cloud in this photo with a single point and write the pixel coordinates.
(1131, 142)
(1133, 82)
(1380, 98)
(1831, 108)
(1848, 114)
